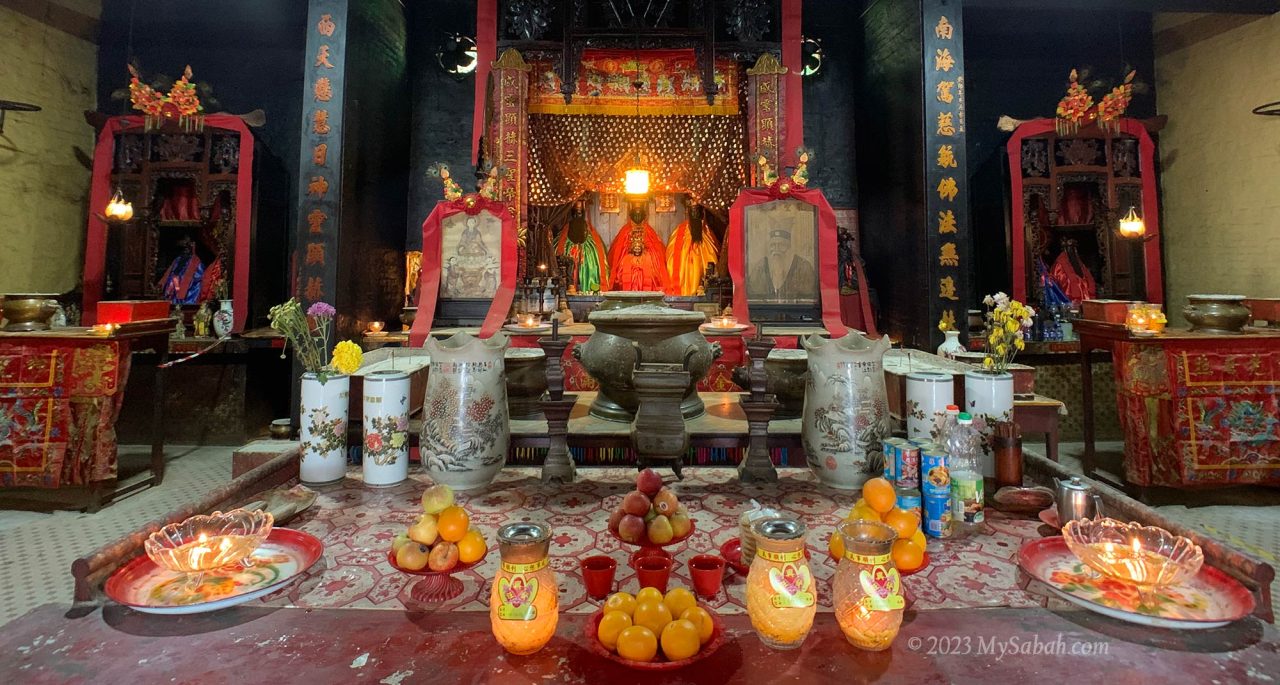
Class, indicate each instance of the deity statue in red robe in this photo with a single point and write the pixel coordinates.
(691, 248)
(1072, 275)
(637, 257)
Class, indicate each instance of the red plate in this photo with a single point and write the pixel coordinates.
(731, 550)
(1208, 599)
(426, 571)
(593, 643)
(650, 545)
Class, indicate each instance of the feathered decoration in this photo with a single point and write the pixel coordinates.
(801, 174)
(452, 191)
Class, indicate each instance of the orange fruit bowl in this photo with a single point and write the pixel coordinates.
(659, 664)
(391, 559)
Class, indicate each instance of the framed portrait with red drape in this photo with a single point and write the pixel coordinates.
(468, 262)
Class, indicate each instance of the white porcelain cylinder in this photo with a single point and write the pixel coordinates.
(324, 428)
(928, 394)
(386, 428)
(990, 396)
(951, 345)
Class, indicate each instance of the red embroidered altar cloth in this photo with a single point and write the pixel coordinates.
(59, 400)
(1200, 412)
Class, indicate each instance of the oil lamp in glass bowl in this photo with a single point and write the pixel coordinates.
(1146, 556)
(206, 542)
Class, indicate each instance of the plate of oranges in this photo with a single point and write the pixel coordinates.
(879, 503)
(654, 632)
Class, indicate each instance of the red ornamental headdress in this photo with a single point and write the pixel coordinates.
(180, 104)
(1076, 109)
(1115, 103)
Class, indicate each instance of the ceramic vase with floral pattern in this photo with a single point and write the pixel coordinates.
(988, 396)
(846, 409)
(465, 427)
(324, 428)
(386, 427)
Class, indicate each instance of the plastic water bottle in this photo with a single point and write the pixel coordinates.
(949, 420)
(965, 461)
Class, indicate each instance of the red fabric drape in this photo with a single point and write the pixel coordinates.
(486, 53)
(95, 249)
(828, 253)
(793, 106)
(429, 277)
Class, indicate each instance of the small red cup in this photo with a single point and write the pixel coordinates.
(707, 571)
(597, 573)
(654, 572)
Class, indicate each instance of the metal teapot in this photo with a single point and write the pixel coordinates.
(1076, 500)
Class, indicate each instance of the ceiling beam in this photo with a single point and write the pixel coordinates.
(1217, 6)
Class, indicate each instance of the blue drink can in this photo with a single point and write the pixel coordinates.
(909, 500)
(935, 477)
(908, 469)
(890, 447)
(937, 515)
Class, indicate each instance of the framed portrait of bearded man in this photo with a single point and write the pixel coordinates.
(781, 260)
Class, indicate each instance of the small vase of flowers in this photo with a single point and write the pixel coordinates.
(326, 387)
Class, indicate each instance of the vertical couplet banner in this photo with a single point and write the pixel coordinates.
(946, 176)
(792, 36)
(315, 260)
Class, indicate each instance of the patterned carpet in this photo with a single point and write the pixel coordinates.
(357, 525)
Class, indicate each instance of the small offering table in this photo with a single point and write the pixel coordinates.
(1197, 409)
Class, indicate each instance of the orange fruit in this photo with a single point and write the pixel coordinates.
(680, 640)
(453, 523)
(701, 618)
(918, 538)
(471, 547)
(637, 643)
(879, 494)
(678, 599)
(907, 555)
(905, 522)
(649, 594)
(862, 512)
(835, 546)
(611, 626)
(621, 601)
(653, 615)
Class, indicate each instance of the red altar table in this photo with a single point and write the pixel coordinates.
(1197, 409)
(60, 395)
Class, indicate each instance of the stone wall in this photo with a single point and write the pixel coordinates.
(44, 184)
(1220, 162)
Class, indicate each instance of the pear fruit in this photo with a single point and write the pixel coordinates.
(400, 541)
(424, 531)
(660, 530)
(437, 498)
(680, 524)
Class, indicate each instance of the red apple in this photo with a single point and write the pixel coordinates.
(649, 482)
(631, 528)
(615, 518)
(636, 503)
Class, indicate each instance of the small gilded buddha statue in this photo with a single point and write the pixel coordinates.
(581, 244)
(637, 257)
(689, 250)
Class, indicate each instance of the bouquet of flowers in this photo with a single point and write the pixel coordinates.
(308, 333)
(1006, 321)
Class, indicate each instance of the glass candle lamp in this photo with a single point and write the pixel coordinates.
(1136, 320)
(781, 595)
(524, 602)
(867, 588)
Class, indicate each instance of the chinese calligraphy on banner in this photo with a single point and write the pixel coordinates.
(947, 193)
(315, 257)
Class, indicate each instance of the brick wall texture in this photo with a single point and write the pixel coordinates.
(1221, 164)
(43, 187)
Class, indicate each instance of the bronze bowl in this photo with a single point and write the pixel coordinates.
(1216, 313)
(526, 371)
(619, 299)
(29, 312)
(785, 377)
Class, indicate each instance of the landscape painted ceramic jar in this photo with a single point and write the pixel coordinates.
(524, 601)
(664, 335)
(386, 427)
(846, 409)
(526, 369)
(928, 394)
(324, 428)
(465, 427)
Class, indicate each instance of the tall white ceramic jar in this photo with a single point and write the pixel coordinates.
(989, 396)
(928, 394)
(324, 428)
(386, 428)
(465, 427)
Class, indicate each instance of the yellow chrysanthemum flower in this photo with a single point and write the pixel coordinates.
(1019, 344)
(1002, 350)
(988, 362)
(1011, 326)
(346, 357)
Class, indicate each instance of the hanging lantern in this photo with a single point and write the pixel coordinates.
(1132, 226)
(118, 210)
(636, 181)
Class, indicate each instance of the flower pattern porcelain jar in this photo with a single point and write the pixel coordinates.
(867, 590)
(781, 595)
(465, 428)
(846, 409)
(323, 434)
(524, 603)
